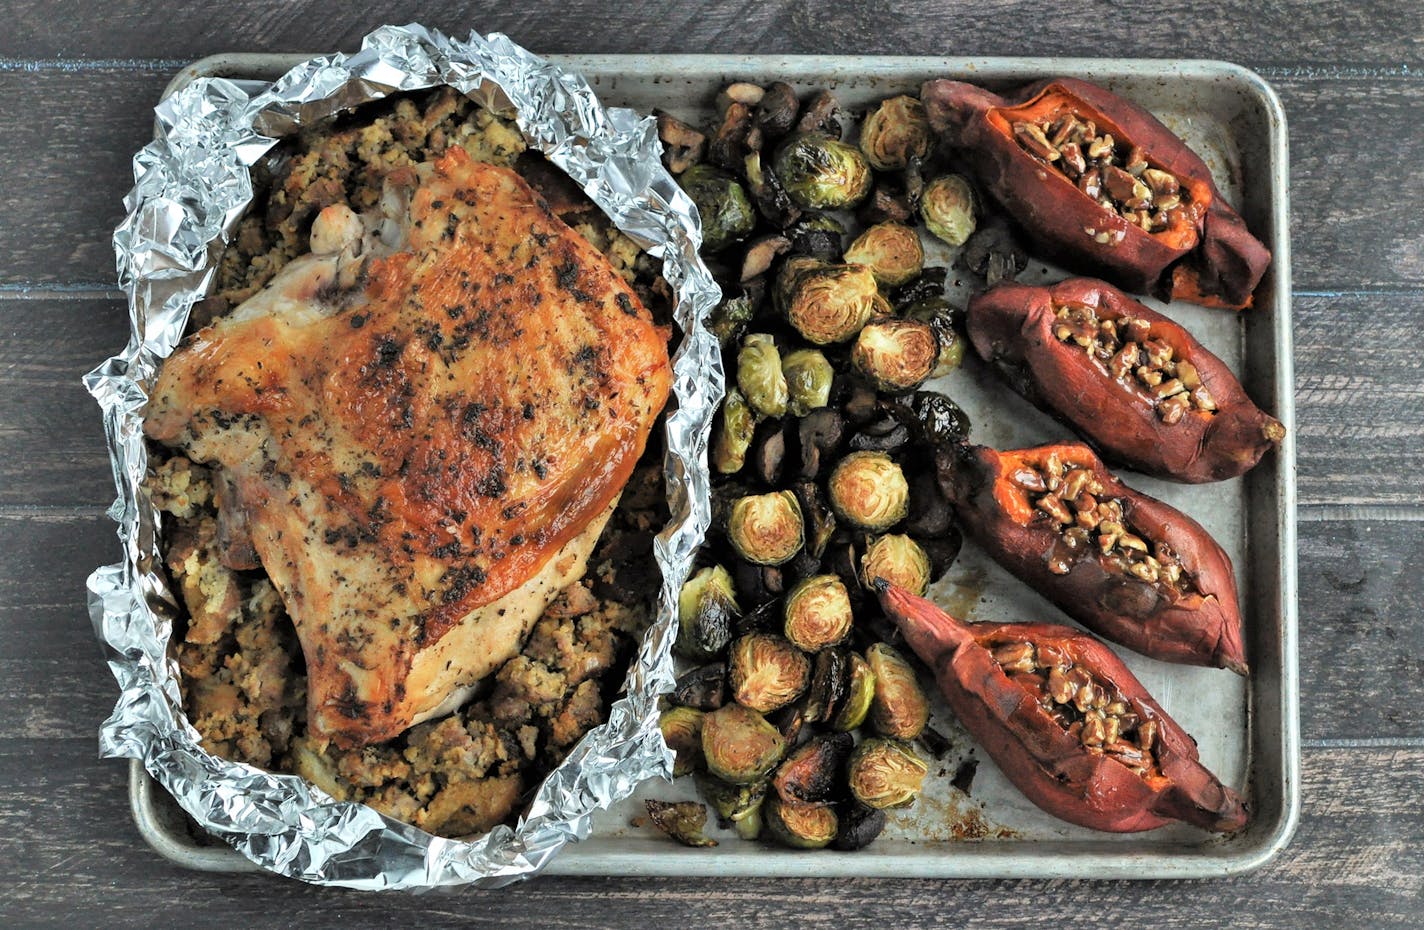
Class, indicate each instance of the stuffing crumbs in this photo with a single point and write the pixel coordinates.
(244, 678)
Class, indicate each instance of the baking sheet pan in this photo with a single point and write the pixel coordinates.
(1247, 730)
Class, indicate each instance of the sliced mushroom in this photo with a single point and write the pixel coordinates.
(822, 114)
(761, 253)
(776, 113)
(728, 147)
(683, 146)
(742, 92)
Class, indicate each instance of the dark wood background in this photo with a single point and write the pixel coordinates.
(77, 80)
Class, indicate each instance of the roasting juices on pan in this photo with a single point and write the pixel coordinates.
(1125, 565)
(1134, 383)
(1066, 722)
(1102, 186)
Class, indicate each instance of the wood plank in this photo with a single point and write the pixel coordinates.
(1350, 232)
(1356, 861)
(1354, 35)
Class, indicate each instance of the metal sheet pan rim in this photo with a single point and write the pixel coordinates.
(969, 859)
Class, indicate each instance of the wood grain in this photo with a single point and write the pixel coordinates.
(1352, 36)
(1354, 225)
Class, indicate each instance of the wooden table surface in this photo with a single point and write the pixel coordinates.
(76, 83)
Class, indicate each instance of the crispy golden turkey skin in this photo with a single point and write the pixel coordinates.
(420, 429)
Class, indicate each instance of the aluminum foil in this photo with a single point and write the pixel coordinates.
(191, 186)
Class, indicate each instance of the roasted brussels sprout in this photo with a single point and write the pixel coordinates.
(947, 207)
(737, 806)
(811, 772)
(767, 672)
(766, 529)
(800, 826)
(739, 745)
(820, 522)
(817, 613)
(767, 192)
(682, 731)
(941, 421)
(759, 375)
(899, 560)
(787, 275)
(830, 303)
(706, 612)
(939, 314)
(860, 691)
(722, 203)
(703, 688)
(821, 173)
(886, 773)
(930, 283)
(895, 132)
(684, 821)
(817, 235)
(729, 319)
(868, 490)
(892, 251)
(860, 825)
(895, 354)
(900, 708)
(734, 434)
(808, 381)
(829, 676)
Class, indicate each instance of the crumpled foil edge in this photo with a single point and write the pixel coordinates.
(191, 186)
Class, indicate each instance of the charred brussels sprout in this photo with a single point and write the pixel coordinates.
(821, 173)
(768, 194)
(860, 692)
(895, 354)
(831, 303)
(766, 529)
(739, 745)
(734, 435)
(817, 613)
(682, 731)
(811, 772)
(886, 773)
(706, 613)
(800, 826)
(759, 375)
(868, 490)
(730, 318)
(899, 560)
(702, 688)
(767, 672)
(817, 235)
(860, 825)
(808, 381)
(684, 821)
(895, 132)
(941, 421)
(900, 709)
(829, 677)
(820, 522)
(738, 806)
(939, 314)
(727, 214)
(947, 207)
(891, 251)
(930, 283)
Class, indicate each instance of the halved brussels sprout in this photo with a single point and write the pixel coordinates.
(895, 132)
(800, 826)
(930, 283)
(830, 303)
(811, 773)
(899, 560)
(900, 708)
(727, 214)
(886, 774)
(868, 490)
(829, 676)
(895, 354)
(738, 806)
(706, 613)
(684, 821)
(682, 731)
(759, 375)
(947, 207)
(766, 529)
(820, 522)
(808, 381)
(729, 319)
(818, 235)
(767, 672)
(821, 173)
(892, 251)
(768, 193)
(734, 434)
(739, 745)
(939, 314)
(860, 825)
(854, 707)
(817, 613)
(940, 420)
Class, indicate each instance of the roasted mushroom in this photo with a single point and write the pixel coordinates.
(767, 672)
(891, 250)
(868, 490)
(760, 255)
(808, 381)
(739, 745)
(734, 434)
(830, 303)
(895, 132)
(993, 252)
(683, 146)
(821, 173)
(817, 613)
(817, 235)
(820, 522)
(948, 209)
(766, 529)
(895, 354)
(820, 433)
(768, 193)
(682, 731)
(776, 111)
(939, 421)
(886, 774)
(899, 560)
(703, 688)
(759, 375)
(706, 612)
(684, 821)
(900, 708)
(860, 825)
(722, 204)
(822, 114)
(799, 826)
(830, 674)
